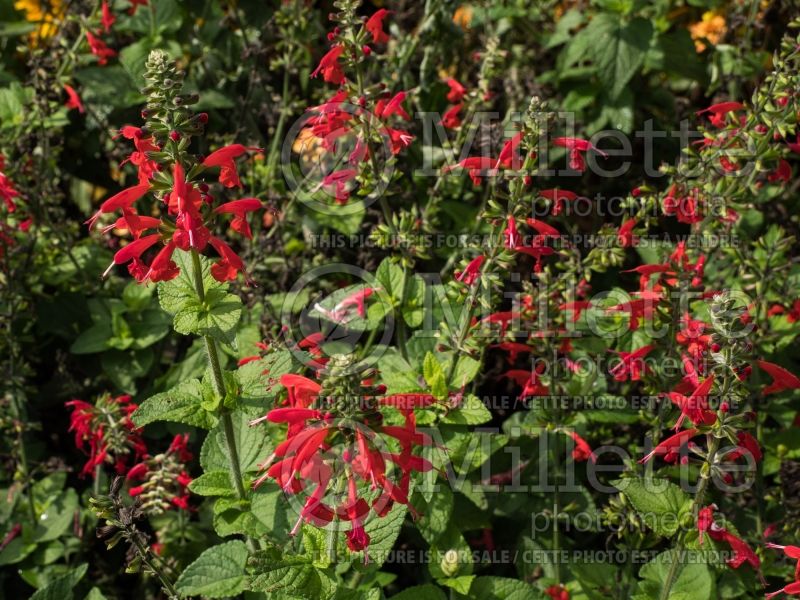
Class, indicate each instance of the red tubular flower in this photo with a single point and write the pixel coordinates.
(338, 181)
(576, 146)
(239, 210)
(374, 26)
(557, 592)
(747, 446)
(625, 235)
(742, 552)
(105, 432)
(124, 199)
(509, 158)
(781, 378)
(670, 447)
(133, 250)
(457, 91)
(582, 450)
(385, 109)
(108, 17)
(224, 158)
(229, 264)
(718, 112)
(705, 519)
(558, 197)
(329, 66)
(302, 391)
(631, 365)
(163, 268)
(398, 139)
(143, 144)
(471, 272)
(99, 49)
(476, 166)
(452, 117)
(73, 100)
(695, 407)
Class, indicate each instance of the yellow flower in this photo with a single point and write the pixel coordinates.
(463, 16)
(712, 27)
(47, 14)
(308, 146)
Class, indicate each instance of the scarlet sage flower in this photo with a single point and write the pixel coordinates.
(99, 49)
(374, 26)
(670, 447)
(476, 166)
(695, 407)
(229, 265)
(143, 144)
(7, 190)
(576, 308)
(105, 432)
(781, 378)
(457, 91)
(471, 272)
(514, 349)
(224, 158)
(557, 592)
(576, 147)
(341, 312)
(558, 197)
(625, 235)
(73, 100)
(107, 18)
(329, 66)
(338, 183)
(509, 158)
(718, 111)
(747, 445)
(239, 210)
(124, 199)
(398, 139)
(631, 365)
(386, 108)
(452, 117)
(582, 450)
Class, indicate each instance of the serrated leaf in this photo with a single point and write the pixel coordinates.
(272, 572)
(213, 483)
(694, 579)
(61, 587)
(181, 404)
(390, 276)
(471, 412)
(502, 588)
(217, 573)
(659, 502)
(421, 592)
(217, 315)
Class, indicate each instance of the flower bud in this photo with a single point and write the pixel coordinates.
(174, 136)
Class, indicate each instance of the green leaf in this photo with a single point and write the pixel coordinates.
(291, 576)
(213, 483)
(437, 515)
(434, 376)
(660, 503)
(217, 573)
(390, 276)
(502, 588)
(216, 315)
(471, 412)
(617, 49)
(181, 404)
(60, 588)
(421, 592)
(252, 443)
(694, 579)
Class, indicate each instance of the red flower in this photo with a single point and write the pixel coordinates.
(671, 446)
(239, 210)
(582, 450)
(557, 592)
(143, 144)
(781, 378)
(476, 166)
(718, 112)
(695, 407)
(747, 446)
(374, 26)
(99, 49)
(452, 118)
(124, 199)
(224, 158)
(329, 66)
(385, 109)
(73, 101)
(457, 91)
(625, 235)
(631, 365)
(557, 197)
(576, 146)
(472, 271)
(229, 264)
(107, 18)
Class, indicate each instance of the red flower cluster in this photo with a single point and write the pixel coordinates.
(742, 553)
(105, 432)
(163, 478)
(341, 459)
(188, 203)
(792, 589)
(352, 117)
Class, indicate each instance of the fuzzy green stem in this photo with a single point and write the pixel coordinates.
(219, 387)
